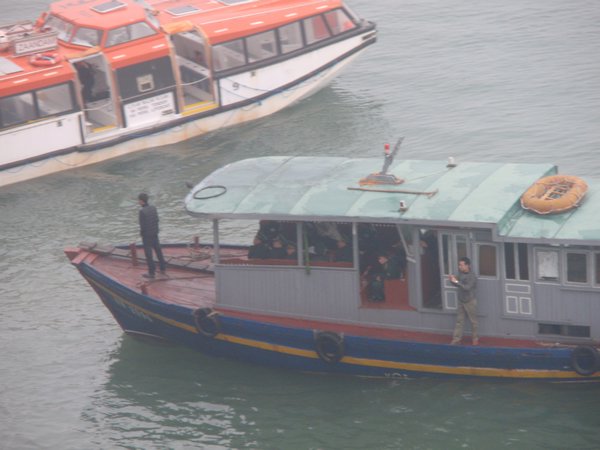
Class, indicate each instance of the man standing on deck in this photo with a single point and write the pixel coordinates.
(467, 303)
(148, 218)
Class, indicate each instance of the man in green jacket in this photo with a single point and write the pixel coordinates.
(466, 282)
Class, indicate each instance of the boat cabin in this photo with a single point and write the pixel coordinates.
(327, 241)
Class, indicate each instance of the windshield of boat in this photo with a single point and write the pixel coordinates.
(63, 28)
(128, 33)
(88, 37)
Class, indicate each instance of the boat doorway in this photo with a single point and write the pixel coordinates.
(97, 94)
(453, 247)
(192, 57)
(431, 282)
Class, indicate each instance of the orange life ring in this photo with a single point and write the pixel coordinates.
(45, 59)
(554, 194)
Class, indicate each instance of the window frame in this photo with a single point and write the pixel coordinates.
(478, 246)
(557, 252)
(565, 266)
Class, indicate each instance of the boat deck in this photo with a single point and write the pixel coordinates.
(189, 281)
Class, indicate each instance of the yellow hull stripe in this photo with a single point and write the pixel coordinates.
(368, 362)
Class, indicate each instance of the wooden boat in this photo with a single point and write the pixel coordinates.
(313, 310)
(102, 78)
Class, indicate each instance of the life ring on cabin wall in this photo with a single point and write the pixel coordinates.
(585, 360)
(207, 322)
(554, 194)
(329, 346)
(45, 59)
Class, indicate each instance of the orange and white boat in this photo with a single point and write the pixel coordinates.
(96, 79)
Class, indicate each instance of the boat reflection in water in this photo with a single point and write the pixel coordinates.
(320, 301)
(94, 80)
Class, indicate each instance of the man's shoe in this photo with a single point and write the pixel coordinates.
(148, 275)
(455, 341)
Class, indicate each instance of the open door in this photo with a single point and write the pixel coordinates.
(97, 94)
(453, 247)
(192, 57)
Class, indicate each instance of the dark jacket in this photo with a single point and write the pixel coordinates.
(467, 282)
(148, 217)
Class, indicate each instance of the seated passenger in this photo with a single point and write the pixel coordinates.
(290, 252)
(389, 270)
(277, 251)
(269, 230)
(259, 250)
(343, 253)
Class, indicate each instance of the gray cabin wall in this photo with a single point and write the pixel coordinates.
(320, 294)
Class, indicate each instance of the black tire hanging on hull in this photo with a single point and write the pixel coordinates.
(329, 346)
(207, 322)
(585, 360)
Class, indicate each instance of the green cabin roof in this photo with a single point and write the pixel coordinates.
(472, 194)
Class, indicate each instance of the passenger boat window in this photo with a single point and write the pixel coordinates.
(577, 265)
(523, 261)
(261, 46)
(597, 267)
(290, 37)
(88, 37)
(547, 265)
(486, 259)
(315, 29)
(55, 100)
(516, 261)
(17, 109)
(154, 75)
(64, 29)
(34, 105)
(128, 33)
(229, 55)
(445, 254)
(339, 21)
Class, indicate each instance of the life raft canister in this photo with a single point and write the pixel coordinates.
(585, 360)
(554, 194)
(207, 322)
(45, 59)
(329, 346)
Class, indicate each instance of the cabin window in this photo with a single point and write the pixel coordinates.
(17, 109)
(516, 262)
(576, 267)
(290, 37)
(88, 37)
(54, 100)
(261, 46)
(128, 33)
(547, 265)
(597, 266)
(22, 108)
(315, 29)
(145, 77)
(64, 29)
(564, 330)
(229, 55)
(339, 21)
(486, 258)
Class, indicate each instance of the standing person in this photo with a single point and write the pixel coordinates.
(148, 218)
(467, 303)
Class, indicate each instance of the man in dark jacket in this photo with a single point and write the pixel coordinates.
(466, 282)
(148, 218)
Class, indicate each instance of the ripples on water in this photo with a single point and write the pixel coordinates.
(496, 81)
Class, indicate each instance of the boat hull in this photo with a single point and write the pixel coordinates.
(320, 350)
